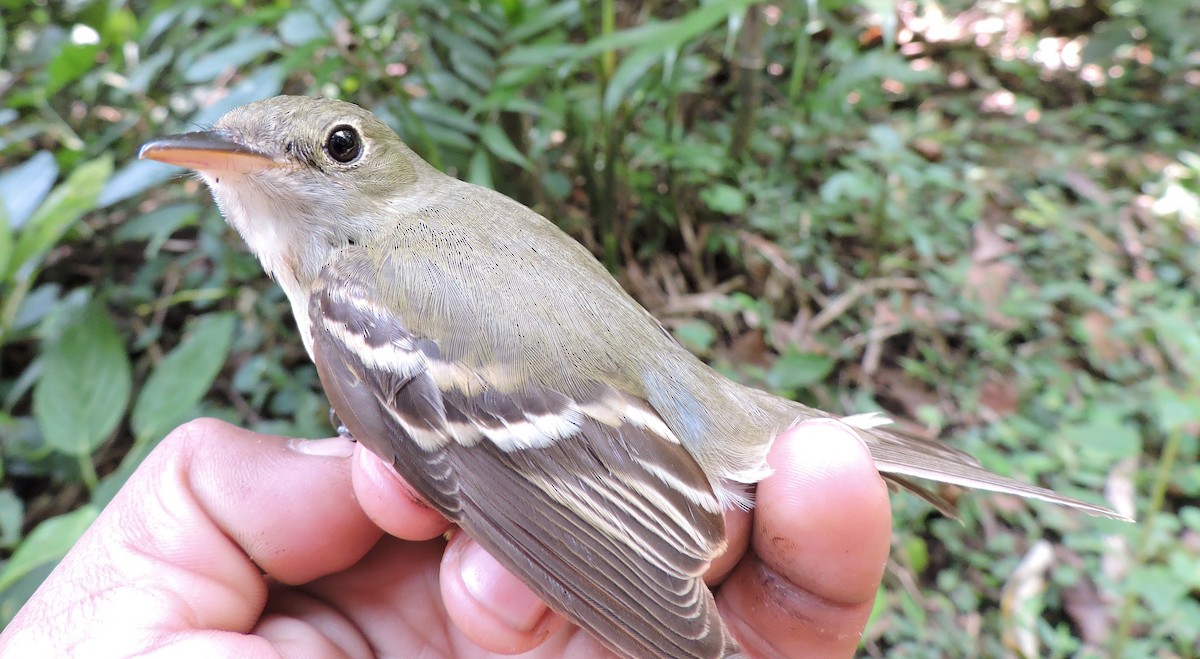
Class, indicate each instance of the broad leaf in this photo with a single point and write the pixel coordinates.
(69, 200)
(85, 384)
(24, 186)
(183, 376)
(498, 143)
(47, 543)
(796, 369)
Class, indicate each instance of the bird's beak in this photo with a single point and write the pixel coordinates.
(207, 151)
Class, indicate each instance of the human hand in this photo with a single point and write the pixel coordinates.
(175, 564)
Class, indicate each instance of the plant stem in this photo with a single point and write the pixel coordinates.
(750, 63)
(88, 471)
(1158, 495)
(605, 201)
(803, 51)
(608, 24)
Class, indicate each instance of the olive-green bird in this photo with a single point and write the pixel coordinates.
(508, 377)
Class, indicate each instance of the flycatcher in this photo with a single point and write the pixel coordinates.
(508, 377)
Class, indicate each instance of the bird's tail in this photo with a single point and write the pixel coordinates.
(901, 456)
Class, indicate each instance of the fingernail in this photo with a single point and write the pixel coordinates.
(334, 447)
(498, 591)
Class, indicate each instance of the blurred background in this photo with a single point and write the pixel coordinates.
(980, 217)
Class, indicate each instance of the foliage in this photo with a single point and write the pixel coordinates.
(979, 216)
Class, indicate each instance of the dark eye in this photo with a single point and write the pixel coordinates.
(343, 144)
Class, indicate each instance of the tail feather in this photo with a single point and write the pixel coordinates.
(899, 455)
(941, 503)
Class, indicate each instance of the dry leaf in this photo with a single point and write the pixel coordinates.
(1019, 605)
(999, 396)
(989, 284)
(1089, 610)
(1098, 326)
(988, 244)
(750, 347)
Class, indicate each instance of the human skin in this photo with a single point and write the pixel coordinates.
(230, 543)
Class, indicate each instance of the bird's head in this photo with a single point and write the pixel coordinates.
(298, 176)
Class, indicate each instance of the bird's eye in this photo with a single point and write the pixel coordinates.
(343, 144)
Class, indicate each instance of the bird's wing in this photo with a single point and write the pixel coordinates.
(587, 496)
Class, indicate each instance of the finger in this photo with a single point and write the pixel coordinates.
(183, 544)
(489, 605)
(401, 602)
(287, 504)
(390, 602)
(300, 623)
(738, 524)
(391, 502)
(821, 535)
(299, 627)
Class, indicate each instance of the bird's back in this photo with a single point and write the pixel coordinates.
(569, 329)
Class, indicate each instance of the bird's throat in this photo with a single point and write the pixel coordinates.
(275, 234)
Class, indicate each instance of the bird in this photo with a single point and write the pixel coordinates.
(506, 375)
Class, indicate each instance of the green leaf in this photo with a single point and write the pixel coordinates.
(667, 35)
(1105, 39)
(20, 591)
(6, 249)
(12, 515)
(724, 198)
(300, 26)
(849, 185)
(264, 82)
(183, 376)
(1158, 588)
(879, 608)
(629, 73)
(563, 14)
(1177, 328)
(158, 225)
(537, 55)
(497, 142)
(24, 186)
(230, 57)
(914, 553)
(471, 61)
(696, 334)
(66, 203)
(72, 61)
(372, 11)
(479, 170)
(47, 543)
(149, 69)
(36, 305)
(431, 111)
(1176, 410)
(85, 384)
(133, 178)
(795, 369)
(1107, 434)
